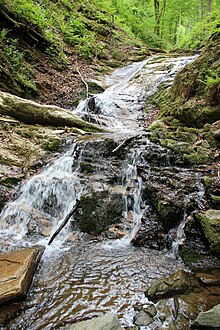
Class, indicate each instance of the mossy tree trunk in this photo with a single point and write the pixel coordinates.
(34, 113)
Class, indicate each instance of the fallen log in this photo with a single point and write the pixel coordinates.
(31, 112)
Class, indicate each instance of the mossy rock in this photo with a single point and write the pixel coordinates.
(169, 286)
(98, 210)
(215, 201)
(210, 225)
(86, 167)
(189, 255)
(94, 87)
(157, 125)
(51, 144)
(168, 213)
(176, 146)
(191, 99)
(207, 181)
(201, 156)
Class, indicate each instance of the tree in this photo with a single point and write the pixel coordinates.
(208, 6)
(159, 13)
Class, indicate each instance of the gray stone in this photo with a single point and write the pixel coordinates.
(142, 319)
(107, 322)
(209, 319)
(150, 310)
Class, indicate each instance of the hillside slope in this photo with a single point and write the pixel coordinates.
(45, 46)
(189, 111)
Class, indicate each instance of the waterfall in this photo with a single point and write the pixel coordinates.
(88, 276)
(45, 198)
(121, 104)
(198, 198)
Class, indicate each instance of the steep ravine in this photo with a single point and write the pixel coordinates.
(137, 201)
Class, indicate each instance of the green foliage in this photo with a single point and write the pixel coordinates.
(196, 37)
(212, 78)
(82, 24)
(15, 61)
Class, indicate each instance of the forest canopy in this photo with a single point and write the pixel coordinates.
(157, 23)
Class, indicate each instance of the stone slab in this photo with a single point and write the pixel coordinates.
(16, 272)
(107, 322)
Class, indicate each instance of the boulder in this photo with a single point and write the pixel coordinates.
(169, 286)
(209, 319)
(98, 210)
(17, 270)
(107, 322)
(210, 227)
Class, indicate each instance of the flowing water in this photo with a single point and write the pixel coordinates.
(81, 276)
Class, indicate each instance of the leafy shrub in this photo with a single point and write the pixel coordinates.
(15, 61)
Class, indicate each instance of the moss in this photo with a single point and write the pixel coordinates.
(86, 167)
(193, 99)
(210, 226)
(215, 201)
(175, 145)
(10, 181)
(185, 136)
(94, 88)
(207, 181)
(154, 137)
(202, 156)
(189, 255)
(52, 144)
(157, 125)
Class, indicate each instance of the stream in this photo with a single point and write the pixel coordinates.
(82, 275)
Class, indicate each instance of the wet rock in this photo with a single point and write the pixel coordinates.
(166, 193)
(212, 186)
(108, 322)
(176, 283)
(152, 236)
(4, 196)
(17, 270)
(116, 231)
(209, 319)
(150, 310)
(40, 226)
(210, 226)
(9, 311)
(209, 278)
(142, 319)
(98, 210)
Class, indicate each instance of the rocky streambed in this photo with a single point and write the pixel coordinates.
(142, 214)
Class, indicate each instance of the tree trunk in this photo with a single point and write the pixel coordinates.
(201, 9)
(162, 16)
(156, 12)
(34, 113)
(208, 6)
(159, 13)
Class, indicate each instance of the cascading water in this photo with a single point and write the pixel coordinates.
(89, 280)
(198, 198)
(46, 197)
(121, 103)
